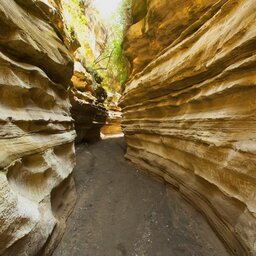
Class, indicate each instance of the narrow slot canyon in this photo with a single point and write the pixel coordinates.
(128, 127)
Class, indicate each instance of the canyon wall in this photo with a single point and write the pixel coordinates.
(37, 153)
(87, 109)
(113, 123)
(189, 107)
(85, 36)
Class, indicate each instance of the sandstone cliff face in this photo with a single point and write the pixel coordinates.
(82, 19)
(37, 153)
(112, 126)
(189, 115)
(89, 114)
(95, 30)
(87, 110)
(161, 23)
(113, 123)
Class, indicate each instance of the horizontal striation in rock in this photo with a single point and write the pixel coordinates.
(36, 132)
(113, 123)
(33, 41)
(87, 109)
(189, 117)
(88, 114)
(160, 23)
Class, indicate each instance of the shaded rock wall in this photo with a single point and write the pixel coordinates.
(189, 115)
(89, 115)
(37, 153)
(87, 109)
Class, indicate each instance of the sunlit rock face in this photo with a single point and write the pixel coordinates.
(161, 23)
(95, 29)
(112, 126)
(37, 153)
(87, 109)
(92, 30)
(189, 115)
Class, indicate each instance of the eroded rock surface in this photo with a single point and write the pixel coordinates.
(113, 123)
(86, 93)
(37, 154)
(189, 115)
(89, 116)
(112, 126)
(87, 109)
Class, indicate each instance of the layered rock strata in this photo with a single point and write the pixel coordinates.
(189, 115)
(158, 24)
(86, 93)
(89, 115)
(113, 123)
(37, 153)
(88, 111)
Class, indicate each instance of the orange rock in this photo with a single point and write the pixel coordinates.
(189, 115)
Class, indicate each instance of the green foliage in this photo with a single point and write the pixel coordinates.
(75, 20)
(112, 64)
(75, 12)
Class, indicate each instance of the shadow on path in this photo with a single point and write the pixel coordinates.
(121, 211)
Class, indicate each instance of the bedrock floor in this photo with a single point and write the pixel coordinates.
(121, 211)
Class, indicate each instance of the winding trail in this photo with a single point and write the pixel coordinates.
(121, 211)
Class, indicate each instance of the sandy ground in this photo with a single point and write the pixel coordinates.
(121, 211)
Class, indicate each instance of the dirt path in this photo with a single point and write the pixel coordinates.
(121, 211)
